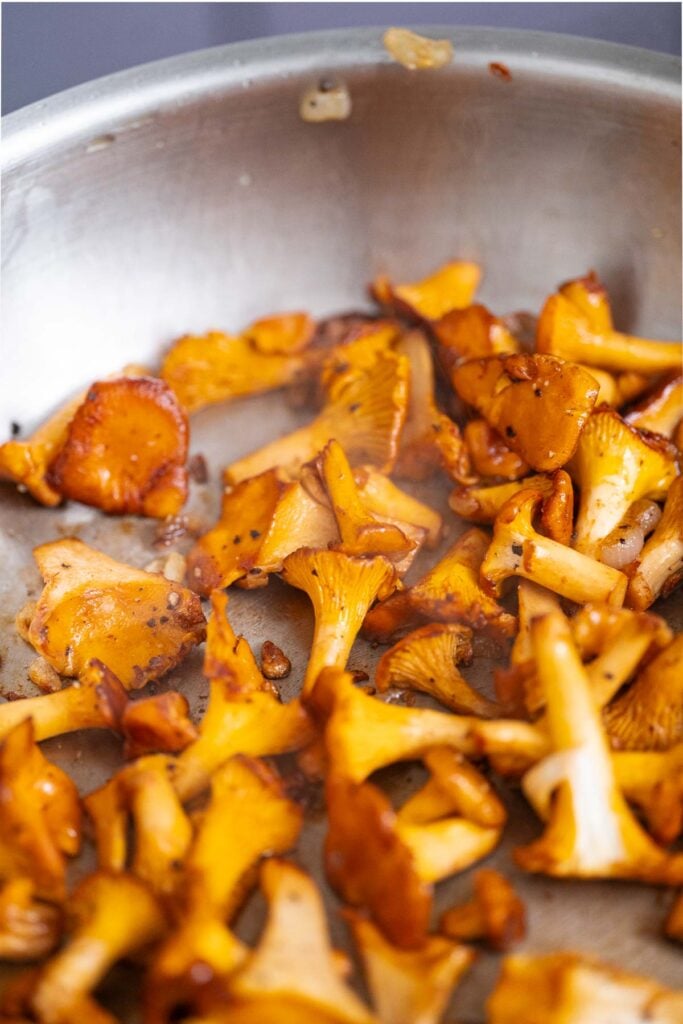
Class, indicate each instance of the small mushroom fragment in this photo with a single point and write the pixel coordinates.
(230, 549)
(537, 403)
(673, 927)
(218, 367)
(365, 408)
(565, 331)
(590, 832)
(471, 333)
(417, 52)
(328, 101)
(341, 588)
(136, 623)
(155, 724)
(40, 815)
(649, 714)
(661, 411)
(489, 453)
(569, 988)
(29, 928)
(449, 592)
(495, 913)
(408, 986)
(518, 549)
(614, 466)
(114, 914)
(293, 972)
(452, 286)
(126, 450)
(426, 660)
(454, 786)
(482, 504)
(228, 657)
(274, 662)
(659, 567)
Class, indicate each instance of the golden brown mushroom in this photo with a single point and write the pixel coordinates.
(471, 333)
(40, 815)
(565, 331)
(114, 914)
(126, 449)
(662, 410)
(454, 786)
(217, 366)
(495, 913)
(518, 549)
(341, 588)
(427, 660)
(614, 466)
(293, 967)
(591, 832)
(449, 592)
(452, 286)
(383, 498)
(537, 403)
(569, 988)
(365, 408)
(489, 454)
(229, 657)
(137, 623)
(408, 986)
(653, 782)
(649, 714)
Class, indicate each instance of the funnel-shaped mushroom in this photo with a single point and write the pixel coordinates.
(518, 550)
(452, 286)
(229, 550)
(653, 782)
(449, 592)
(591, 832)
(495, 913)
(589, 294)
(408, 986)
(661, 411)
(40, 815)
(659, 567)
(256, 725)
(363, 734)
(29, 928)
(301, 519)
(538, 404)
(137, 623)
(565, 331)
(614, 466)
(649, 715)
(249, 795)
(365, 408)
(427, 660)
(293, 967)
(27, 462)
(471, 333)
(217, 366)
(482, 504)
(568, 988)
(361, 532)
(126, 449)
(114, 915)
(341, 588)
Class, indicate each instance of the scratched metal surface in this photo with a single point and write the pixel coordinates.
(188, 195)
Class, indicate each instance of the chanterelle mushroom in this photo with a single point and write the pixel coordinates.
(649, 714)
(137, 623)
(495, 913)
(452, 286)
(614, 466)
(564, 330)
(537, 403)
(567, 988)
(591, 832)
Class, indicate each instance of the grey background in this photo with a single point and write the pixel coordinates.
(47, 47)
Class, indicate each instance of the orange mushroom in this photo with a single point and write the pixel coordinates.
(452, 286)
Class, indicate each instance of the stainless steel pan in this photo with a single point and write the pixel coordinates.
(189, 194)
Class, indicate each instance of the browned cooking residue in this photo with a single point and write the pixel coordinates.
(500, 70)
